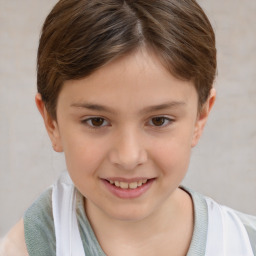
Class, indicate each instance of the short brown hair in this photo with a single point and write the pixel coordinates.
(80, 36)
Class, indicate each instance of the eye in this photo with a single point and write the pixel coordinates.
(160, 121)
(95, 122)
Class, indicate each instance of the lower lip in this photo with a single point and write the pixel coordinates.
(128, 193)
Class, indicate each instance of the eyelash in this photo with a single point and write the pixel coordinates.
(167, 121)
(88, 122)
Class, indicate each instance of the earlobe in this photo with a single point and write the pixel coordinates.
(50, 124)
(202, 117)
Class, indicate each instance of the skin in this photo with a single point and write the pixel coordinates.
(128, 94)
(14, 242)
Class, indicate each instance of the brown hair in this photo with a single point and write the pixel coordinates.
(80, 36)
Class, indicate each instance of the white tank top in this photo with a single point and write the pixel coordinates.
(226, 234)
(68, 239)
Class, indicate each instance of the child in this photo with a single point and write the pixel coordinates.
(125, 90)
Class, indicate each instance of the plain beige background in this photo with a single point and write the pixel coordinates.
(222, 166)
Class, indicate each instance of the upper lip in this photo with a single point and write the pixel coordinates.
(130, 180)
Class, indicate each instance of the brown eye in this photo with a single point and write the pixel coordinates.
(158, 121)
(97, 121)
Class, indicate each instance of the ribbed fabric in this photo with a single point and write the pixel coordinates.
(198, 242)
(39, 227)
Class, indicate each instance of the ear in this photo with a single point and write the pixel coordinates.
(51, 125)
(202, 117)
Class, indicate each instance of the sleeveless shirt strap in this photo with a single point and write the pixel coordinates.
(68, 239)
(226, 233)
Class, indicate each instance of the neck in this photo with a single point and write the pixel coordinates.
(176, 212)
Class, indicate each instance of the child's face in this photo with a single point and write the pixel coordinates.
(130, 122)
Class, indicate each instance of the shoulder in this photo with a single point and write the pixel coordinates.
(236, 221)
(34, 234)
(40, 209)
(249, 223)
(13, 243)
(203, 205)
(39, 226)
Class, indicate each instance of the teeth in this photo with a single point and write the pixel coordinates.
(125, 185)
(133, 185)
(139, 183)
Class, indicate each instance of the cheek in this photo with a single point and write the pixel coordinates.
(175, 158)
(173, 155)
(83, 155)
(83, 161)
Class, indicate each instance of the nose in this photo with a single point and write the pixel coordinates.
(128, 151)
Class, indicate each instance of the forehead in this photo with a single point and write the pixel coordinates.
(135, 80)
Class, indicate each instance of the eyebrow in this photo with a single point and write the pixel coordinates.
(92, 106)
(167, 105)
(102, 108)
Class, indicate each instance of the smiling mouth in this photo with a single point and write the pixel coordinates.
(128, 188)
(128, 185)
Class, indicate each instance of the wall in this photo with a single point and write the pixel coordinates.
(222, 166)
